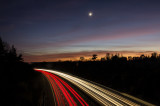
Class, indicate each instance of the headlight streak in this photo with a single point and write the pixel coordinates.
(59, 87)
(104, 96)
(100, 96)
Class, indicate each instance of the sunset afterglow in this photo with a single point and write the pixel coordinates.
(44, 31)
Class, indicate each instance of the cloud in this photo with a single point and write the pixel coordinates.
(80, 41)
(114, 35)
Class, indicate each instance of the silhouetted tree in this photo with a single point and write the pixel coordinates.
(108, 56)
(82, 58)
(154, 55)
(130, 58)
(17, 79)
(103, 59)
(94, 57)
(115, 57)
(8, 54)
(142, 56)
(117, 54)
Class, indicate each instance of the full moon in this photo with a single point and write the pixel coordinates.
(90, 14)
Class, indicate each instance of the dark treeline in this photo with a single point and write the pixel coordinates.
(139, 77)
(20, 84)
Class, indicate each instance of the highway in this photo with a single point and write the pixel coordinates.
(65, 94)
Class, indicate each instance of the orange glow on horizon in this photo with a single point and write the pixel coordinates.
(76, 56)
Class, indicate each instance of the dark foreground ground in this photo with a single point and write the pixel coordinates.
(140, 78)
(22, 86)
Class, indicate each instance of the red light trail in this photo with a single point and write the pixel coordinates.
(63, 92)
(66, 95)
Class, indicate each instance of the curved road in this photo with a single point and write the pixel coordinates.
(65, 94)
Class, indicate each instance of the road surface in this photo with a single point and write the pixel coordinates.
(66, 94)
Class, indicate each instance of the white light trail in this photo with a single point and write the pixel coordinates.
(102, 95)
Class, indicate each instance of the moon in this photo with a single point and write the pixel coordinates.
(90, 14)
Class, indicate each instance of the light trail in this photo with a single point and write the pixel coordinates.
(64, 94)
(105, 96)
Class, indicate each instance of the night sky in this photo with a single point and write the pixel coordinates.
(51, 30)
